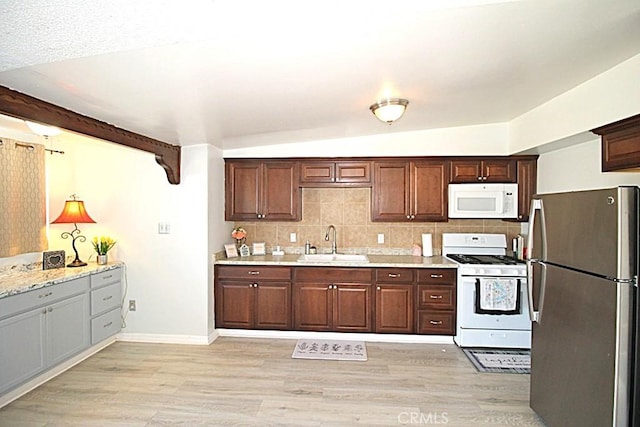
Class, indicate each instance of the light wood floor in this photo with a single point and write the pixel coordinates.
(239, 381)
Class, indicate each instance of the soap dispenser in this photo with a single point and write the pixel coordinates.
(307, 248)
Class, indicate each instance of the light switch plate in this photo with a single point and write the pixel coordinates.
(164, 228)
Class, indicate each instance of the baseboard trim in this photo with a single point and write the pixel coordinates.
(167, 339)
(392, 338)
(42, 378)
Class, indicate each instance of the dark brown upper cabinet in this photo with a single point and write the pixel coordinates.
(410, 190)
(262, 190)
(328, 173)
(620, 144)
(483, 170)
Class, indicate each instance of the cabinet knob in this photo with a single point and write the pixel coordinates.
(255, 285)
(479, 178)
(49, 310)
(408, 216)
(44, 311)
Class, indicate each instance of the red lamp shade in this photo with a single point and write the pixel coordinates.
(73, 213)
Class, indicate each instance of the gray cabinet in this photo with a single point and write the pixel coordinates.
(54, 328)
(42, 328)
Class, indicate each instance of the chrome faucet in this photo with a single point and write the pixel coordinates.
(334, 246)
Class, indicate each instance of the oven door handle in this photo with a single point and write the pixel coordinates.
(536, 316)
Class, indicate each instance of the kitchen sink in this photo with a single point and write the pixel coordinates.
(333, 258)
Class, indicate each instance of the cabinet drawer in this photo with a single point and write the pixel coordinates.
(39, 297)
(106, 277)
(105, 298)
(337, 274)
(394, 275)
(254, 272)
(439, 276)
(105, 325)
(440, 297)
(437, 323)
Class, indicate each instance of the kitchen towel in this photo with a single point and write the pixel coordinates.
(497, 295)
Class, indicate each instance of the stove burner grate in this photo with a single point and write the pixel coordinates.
(485, 259)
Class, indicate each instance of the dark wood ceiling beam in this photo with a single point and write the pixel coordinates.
(17, 104)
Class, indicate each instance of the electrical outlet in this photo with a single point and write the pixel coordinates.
(380, 238)
(132, 305)
(293, 238)
(164, 228)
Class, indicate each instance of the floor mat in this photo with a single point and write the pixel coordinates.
(512, 361)
(330, 350)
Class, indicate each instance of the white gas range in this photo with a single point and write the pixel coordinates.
(482, 257)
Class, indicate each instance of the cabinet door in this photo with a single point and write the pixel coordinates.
(527, 177)
(313, 306)
(352, 308)
(234, 304)
(22, 353)
(499, 170)
(242, 190)
(429, 190)
(394, 309)
(68, 323)
(272, 306)
(320, 172)
(281, 192)
(390, 194)
(466, 171)
(353, 173)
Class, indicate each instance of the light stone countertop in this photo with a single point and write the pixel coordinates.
(402, 261)
(19, 279)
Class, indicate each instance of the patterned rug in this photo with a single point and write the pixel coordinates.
(330, 350)
(510, 361)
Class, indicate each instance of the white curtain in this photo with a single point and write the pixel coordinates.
(22, 198)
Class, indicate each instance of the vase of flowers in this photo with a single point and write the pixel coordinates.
(240, 236)
(102, 245)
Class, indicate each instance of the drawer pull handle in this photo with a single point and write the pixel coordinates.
(394, 275)
(436, 276)
(435, 296)
(48, 294)
(107, 298)
(435, 322)
(108, 324)
(107, 277)
(254, 273)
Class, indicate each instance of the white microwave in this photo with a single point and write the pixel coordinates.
(483, 200)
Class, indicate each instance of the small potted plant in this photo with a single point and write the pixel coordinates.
(102, 245)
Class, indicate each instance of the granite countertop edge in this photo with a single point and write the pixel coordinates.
(18, 282)
(375, 261)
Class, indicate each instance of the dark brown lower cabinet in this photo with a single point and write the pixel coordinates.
(253, 297)
(333, 299)
(395, 300)
(437, 301)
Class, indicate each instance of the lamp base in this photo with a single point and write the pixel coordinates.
(77, 263)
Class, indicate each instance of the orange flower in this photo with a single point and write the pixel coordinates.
(238, 233)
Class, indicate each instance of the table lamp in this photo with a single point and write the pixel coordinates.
(74, 213)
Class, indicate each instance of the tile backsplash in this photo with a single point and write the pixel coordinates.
(349, 210)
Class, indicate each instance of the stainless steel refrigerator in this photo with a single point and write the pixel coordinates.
(582, 271)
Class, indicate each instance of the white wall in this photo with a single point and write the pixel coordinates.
(487, 139)
(608, 97)
(127, 193)
(578, 168)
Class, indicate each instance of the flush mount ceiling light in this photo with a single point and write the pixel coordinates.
(43, 130)
(389, 110)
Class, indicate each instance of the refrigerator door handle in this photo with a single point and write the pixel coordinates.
(536, 206)
(534, 315)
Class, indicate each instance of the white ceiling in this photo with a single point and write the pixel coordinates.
(238, 73)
